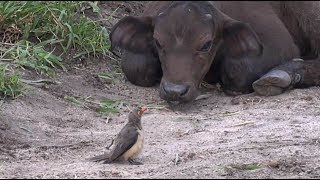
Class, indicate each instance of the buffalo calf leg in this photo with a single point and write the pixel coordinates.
(310, 74)
(236, 77)
(294, 74)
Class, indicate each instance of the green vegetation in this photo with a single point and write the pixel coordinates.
(110, 77)
(10, 84)
(26, 55)
(55, 22)
(105, 107)
(35, 34)
(109, 106)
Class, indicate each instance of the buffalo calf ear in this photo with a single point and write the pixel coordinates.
(240, 40)
(132, 33)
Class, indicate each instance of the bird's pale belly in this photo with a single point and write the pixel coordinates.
(135, 150)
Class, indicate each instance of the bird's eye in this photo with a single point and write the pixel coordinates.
(207, 46)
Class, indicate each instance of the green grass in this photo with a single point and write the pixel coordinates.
(10, 84)
(33, 30)
(60, 22)
(30, 56)
(110, 77)
(109, 106)
(76, 101)
(105, 107)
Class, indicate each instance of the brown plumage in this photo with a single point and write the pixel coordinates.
(129, 141)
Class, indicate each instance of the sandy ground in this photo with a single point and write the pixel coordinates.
(43, 135)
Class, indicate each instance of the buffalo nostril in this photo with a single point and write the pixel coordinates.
(163, 86)
(175, 90)
(184, 91)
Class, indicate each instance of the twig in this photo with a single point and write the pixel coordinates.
(26, 129)
(156, 107)
(230, 113)
(6, 59)
(243, 124)
(9, 44)
(203, 96)
(40, 81)
(186, 133)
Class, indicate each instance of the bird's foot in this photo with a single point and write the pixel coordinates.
(132, 162)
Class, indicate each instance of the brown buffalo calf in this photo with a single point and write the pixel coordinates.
(233, 43)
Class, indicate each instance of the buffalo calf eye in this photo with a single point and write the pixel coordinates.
(206, 46)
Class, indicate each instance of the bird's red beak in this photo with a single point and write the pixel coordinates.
(142, 110)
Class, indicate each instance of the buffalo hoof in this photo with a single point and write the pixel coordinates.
(273, 83)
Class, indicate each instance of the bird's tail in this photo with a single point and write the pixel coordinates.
(103, 157)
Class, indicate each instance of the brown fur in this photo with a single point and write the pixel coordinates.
(233, 43)
(302, 20)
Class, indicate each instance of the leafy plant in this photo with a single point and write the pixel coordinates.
(30, 31)
(109, 106)
(35, 57)
(104, 107)
(10, 84)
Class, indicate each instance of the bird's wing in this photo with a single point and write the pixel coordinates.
(124, 141)
(102, 157)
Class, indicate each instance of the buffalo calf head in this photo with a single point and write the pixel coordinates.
(186, 37)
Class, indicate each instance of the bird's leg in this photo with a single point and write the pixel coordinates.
(132, 162)
(110, 144)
